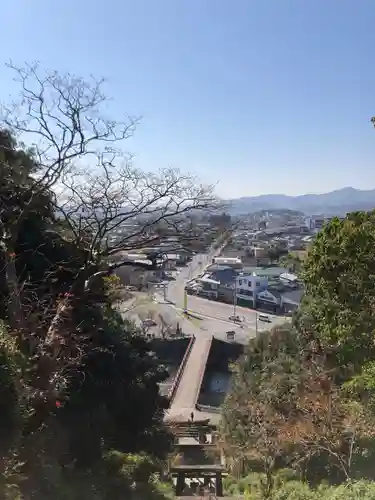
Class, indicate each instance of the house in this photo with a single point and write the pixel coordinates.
(233, 262)
(175, 259)
(289, 277)
(224, 274)
(248, 287)
(209, 287)
(291, 300)
(270, 300)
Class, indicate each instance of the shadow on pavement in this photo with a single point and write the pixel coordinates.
(191, 315)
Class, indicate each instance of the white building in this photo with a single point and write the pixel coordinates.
(234, 262)
(250, 284)
(252, 291)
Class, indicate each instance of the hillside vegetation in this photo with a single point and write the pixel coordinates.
(303, 395)
(81, 416)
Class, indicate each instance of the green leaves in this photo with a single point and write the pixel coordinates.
(339, 276)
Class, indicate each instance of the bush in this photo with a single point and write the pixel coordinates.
(296, 490)
(363, 490)
(286, 487)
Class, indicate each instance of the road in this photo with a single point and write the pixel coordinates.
(208, 317)
(214, 316)
(175, 291)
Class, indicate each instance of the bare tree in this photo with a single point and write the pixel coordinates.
(326, 425)
(62, 116)
(107, 205)
(167, 326)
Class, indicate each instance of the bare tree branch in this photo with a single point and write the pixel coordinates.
(60, 115)
(104, 204)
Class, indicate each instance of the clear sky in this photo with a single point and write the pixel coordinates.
(262, 96)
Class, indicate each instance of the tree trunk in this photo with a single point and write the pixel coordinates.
(15, 312)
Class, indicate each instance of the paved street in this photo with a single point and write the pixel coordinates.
(221, 311)
(213, 316)
(208, 317)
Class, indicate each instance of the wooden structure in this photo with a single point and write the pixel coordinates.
(208, 472)
(195, 429)
(197, 458)
(230, 336)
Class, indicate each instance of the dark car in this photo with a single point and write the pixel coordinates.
(236, 319)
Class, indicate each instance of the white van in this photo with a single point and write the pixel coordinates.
(264, 317)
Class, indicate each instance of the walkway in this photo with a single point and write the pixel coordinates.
(188, 389)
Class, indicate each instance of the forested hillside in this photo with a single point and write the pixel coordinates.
(80, 412)
(301, 409)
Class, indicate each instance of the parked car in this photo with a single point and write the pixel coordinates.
(236, 319)
(264, 318)
(149, 322)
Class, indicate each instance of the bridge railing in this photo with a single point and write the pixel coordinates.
(202, 372)
(208, 409)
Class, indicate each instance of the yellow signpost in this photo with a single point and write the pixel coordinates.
(185, 302)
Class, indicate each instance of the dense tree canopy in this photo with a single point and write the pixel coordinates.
(303, 395)
(101, 392)
(340, 289)
(79, 387)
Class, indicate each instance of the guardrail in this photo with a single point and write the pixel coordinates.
(201, 375)
(180, 371)
(208, 409)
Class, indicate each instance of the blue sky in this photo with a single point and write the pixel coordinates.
(266, 96)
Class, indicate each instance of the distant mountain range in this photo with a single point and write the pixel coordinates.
(337, 202)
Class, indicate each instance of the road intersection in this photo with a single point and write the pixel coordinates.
(209, 316)
(205, 317)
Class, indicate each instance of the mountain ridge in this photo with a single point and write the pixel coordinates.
(337, 202)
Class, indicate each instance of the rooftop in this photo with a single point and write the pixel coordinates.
(217, 267)
(289, 277)
(265, 271)
(293, 296)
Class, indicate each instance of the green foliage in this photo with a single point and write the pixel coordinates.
(270, 373)
(339, 276)
(87, 421)
(292, 262)
(119, 476)
(365, 490)
(362, 386)
(304, 397)
(10, 409)
(118, 371)
(277, 252)
(288, 487)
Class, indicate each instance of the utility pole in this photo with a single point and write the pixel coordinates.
(234, 300)
(165, 292)
(256, 324)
